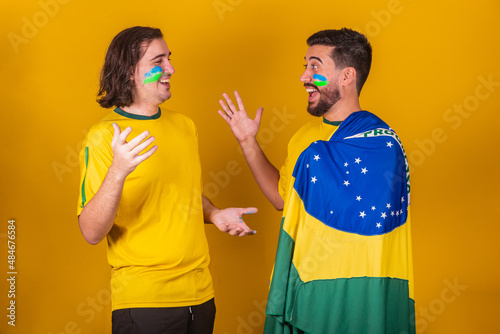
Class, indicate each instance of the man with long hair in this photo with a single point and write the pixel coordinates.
(343, 263)
(147, 199)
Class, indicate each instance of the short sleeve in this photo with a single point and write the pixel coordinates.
(95, 158)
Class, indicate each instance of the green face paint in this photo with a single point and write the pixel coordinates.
(319, 80)
(153, 75)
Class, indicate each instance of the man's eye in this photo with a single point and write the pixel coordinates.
(315, 67)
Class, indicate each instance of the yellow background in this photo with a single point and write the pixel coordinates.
(429, 56)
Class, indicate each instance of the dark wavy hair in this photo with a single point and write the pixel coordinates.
(351, 49)
(124, 52)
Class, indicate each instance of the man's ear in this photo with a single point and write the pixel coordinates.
(349, 76)
(132, 73)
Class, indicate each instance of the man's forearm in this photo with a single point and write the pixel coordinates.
(98, 216)
(266, 175)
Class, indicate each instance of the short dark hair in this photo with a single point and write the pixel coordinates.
(351, 49)
(124, 52)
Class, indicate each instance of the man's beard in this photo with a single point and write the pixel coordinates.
(327, 99)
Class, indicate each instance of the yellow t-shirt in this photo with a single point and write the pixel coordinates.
(157, 247)
(316, 129)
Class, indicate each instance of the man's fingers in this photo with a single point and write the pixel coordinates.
(226, 117)
(224, 106)
(116, 134)
(147, 154)
(230, 103)
(122, 138)
(251, 232)
(239, 229)
(258, 115)
(134, 142)
(249, 211)
(245, 230)
(139, 148)
(242, 227)
(238, 100)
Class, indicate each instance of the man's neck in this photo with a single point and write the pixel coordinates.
(144, 109)
(341, 110)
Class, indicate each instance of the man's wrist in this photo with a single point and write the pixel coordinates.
(208, 210)
(250, 142)
(116, 174)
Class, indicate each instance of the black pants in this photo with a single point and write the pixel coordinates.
(197, 319)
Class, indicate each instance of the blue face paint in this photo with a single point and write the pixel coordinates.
(153, 75)
(319, 80)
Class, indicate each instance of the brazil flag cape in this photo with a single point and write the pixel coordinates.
(344, 261)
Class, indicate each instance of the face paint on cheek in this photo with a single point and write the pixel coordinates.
(153, 75)
(319, 80)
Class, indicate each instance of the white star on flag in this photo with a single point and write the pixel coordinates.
(388, 205)
(383, 215)
(346, 183)
(346, 164)
(316, 157)
(307, 165)
(401, 212)
(392, 213)
(314, 179)
(358, 198)
(379, 225)
(373, 208)
(362, 214)
(347, 172)
(331, 212)
(389, 144)
(397, 213)
(364, 170)
(358, 160)
(402, 199)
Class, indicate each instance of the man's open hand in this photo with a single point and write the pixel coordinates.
(230, 220)
(126, 155)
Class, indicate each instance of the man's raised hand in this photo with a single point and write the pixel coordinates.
(241, 124)
(126, 155)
